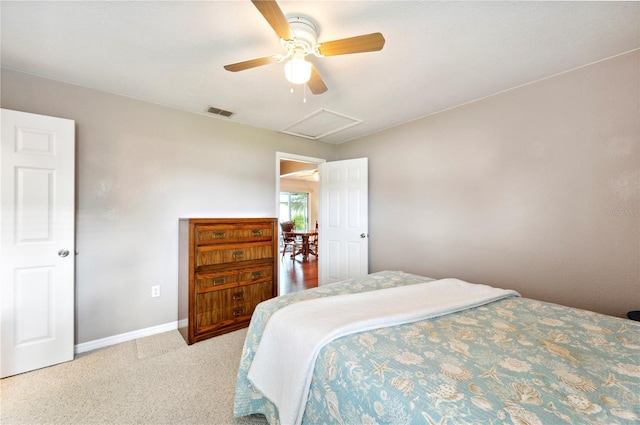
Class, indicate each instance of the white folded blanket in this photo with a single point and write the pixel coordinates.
(283, 364)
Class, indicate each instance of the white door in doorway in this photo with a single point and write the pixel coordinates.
(37, 243)
(344, 220)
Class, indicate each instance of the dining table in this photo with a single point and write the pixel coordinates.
(305, 248)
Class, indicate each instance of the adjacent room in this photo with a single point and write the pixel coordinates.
(153, 152)
(299, 194)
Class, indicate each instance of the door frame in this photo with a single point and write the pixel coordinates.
(293, 157)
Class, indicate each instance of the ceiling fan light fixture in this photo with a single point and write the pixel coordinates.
(299, 36)
(297, 70)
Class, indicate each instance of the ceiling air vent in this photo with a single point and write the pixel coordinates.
(218, 111)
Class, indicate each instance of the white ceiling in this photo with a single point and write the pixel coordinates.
(437, 54)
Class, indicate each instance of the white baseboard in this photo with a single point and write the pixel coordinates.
(128, 336)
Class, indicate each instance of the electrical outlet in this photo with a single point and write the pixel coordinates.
(155, 291)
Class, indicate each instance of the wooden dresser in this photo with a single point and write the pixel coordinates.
(226, 267)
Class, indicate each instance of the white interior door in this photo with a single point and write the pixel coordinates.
(37, 195)
(344, 220)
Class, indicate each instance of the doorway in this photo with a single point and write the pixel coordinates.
(296, 174)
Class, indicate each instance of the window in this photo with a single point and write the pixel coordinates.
(295, 206)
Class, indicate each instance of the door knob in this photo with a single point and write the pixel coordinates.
(362, 235)
(63, 253)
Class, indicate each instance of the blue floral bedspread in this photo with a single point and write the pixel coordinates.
(515, 360)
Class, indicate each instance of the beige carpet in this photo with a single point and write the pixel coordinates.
(153, 380)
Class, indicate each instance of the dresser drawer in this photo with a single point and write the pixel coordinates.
(255, 232)
(253, 275)
(209, 255)
(216, 280)
(231, 233)
(215, 233)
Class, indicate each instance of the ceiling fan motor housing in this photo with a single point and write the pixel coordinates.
(306, 34)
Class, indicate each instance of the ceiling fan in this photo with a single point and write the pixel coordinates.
(298, 36)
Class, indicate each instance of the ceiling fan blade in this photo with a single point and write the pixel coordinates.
(315, 83)
(241, 66)
(273, 14)
(362, 43)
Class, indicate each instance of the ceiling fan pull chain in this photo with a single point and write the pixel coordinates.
(304, 93)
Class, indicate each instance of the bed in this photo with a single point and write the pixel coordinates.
(507, 360)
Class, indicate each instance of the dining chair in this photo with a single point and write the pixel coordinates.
(313, 242)
(288, 238)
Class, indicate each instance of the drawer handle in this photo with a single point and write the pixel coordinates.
(256, 275)
(219, 280)
(238, 254)
(238, 296)
(256, 232)
(238, 311)
(219, 234)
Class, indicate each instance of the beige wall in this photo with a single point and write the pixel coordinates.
(139, 167)
(535, 189)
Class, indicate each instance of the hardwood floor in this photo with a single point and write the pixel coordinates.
(297, 275)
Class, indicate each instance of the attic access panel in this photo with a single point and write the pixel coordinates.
(319, 124)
